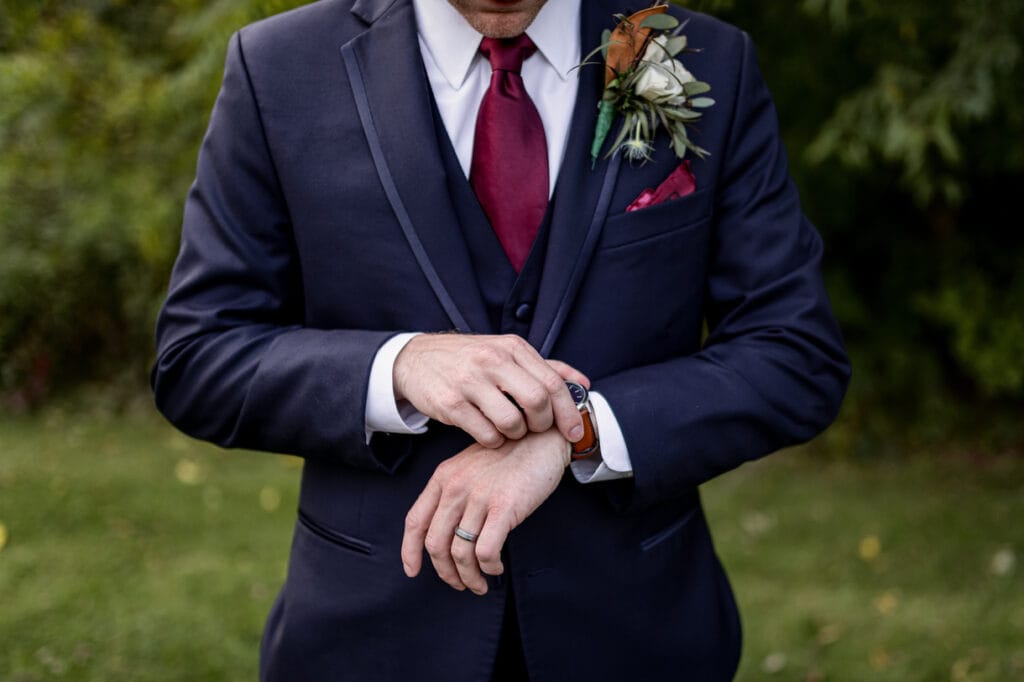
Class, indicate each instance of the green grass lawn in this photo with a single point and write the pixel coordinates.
(129, 552)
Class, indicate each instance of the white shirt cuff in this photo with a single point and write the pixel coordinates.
(383, 412)
(614, 462)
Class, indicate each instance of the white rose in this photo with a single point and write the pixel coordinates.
(661, 77)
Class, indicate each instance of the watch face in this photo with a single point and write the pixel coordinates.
(578, 393)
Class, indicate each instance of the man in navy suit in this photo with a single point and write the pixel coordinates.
(338, 234)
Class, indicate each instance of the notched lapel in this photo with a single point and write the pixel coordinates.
(394, 104)
(582, 194)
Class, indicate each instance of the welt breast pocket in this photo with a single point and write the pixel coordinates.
(661, 219)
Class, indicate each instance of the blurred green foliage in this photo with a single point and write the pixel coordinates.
(903, 120)
(103, 104)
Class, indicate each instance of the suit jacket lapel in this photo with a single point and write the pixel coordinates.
(582, 194)
(393, 100)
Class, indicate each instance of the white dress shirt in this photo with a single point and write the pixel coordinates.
(459, 76)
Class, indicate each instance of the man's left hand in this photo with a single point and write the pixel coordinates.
(484, 491)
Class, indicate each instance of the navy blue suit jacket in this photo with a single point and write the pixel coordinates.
(320, 224)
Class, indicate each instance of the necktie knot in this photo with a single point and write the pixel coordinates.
(507, 54)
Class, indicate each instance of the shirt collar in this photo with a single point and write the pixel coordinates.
(454, 44)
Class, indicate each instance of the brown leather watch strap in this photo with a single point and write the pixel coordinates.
(588, 445)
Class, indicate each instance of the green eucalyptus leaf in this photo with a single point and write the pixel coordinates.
(675, 45)
(680, 141)
(702, 102)
(660, 111)
(660, 22)
(682, 114)
(696, 88)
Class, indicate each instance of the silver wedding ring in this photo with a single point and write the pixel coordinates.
(466, 535)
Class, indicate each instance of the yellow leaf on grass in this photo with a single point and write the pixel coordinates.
(188, 471)
(830, 633)
(887, 603)
(774, 663)
(270, 498)
(757, 523)
(1003, 562)
(870, 548)
(960, 671)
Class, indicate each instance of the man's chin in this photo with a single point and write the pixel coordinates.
(498, 27)
(503, 27)
(499, 18)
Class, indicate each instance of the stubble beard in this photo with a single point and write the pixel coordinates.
(496, 24)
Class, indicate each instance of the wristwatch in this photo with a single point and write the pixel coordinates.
(589, 445)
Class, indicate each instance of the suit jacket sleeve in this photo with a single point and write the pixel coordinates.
(773, 370)
(235, 364)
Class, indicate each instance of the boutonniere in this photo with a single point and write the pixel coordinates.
(647, 84)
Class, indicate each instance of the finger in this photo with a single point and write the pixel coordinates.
(464, 414)
(439, 540)
(417, 522)
(494, 403)
(529, 397)
(464, 551)
(566, 416)
(549, 402)
(498, 524)
(570, 373)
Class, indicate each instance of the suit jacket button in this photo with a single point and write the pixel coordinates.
(524, 312)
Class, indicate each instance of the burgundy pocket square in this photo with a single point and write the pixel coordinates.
(677, 185)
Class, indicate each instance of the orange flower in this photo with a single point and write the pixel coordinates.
(628, 42)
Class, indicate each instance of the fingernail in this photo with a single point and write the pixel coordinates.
(576, 433)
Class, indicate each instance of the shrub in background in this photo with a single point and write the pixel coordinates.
(102, 107)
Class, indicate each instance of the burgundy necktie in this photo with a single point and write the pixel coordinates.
(509, 172)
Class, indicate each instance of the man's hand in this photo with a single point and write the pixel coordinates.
(484, 491)
(471, 382)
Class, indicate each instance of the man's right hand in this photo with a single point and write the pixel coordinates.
(471, 381)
